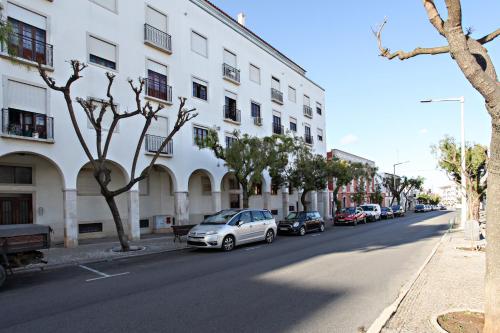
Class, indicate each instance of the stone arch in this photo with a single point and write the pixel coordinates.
(200, 187)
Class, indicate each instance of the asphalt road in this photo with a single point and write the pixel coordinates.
(334, 281)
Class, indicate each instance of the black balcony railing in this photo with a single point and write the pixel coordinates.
(154, 142)
(276, 96)
(157, 38)
(27, 124)
(231, 73)
(231, 113)
(28, 48)
(278, 129)
(308, 139)
(158, 89)
(257, 121)
(308, 111)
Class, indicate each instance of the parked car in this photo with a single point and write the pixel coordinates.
(387, 213)
(442, 207)
(350, 215)
(419, 208)
(372, 211)
(300, 223)
(428, 208)
(398, 210)
(229, 228)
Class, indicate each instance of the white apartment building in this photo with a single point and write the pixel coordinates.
(188, 48)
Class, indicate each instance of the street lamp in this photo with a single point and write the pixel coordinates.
(394, 175)
(462, 132)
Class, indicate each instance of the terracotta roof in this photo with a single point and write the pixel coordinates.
(254, 34)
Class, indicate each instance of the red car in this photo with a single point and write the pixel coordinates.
(350, 215)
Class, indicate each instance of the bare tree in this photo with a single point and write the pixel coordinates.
(473, 60)
(95, 111)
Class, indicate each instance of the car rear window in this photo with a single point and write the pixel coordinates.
(268, 215)
(258, 215)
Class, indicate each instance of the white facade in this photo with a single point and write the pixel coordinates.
(180, 46)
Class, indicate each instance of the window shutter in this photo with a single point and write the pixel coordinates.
(109, 4)
(307, 100)
(275, 84)
(156, 19)
(26, 16)
(229, 58)
(292, 94)
(26, 97)
(102, 49)
(254, 73)
(199, 43)
(159, 127)
(156, 67)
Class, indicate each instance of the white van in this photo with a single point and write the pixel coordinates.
(373, 211)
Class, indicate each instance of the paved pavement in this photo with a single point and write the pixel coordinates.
(335, 281)
(453, 279)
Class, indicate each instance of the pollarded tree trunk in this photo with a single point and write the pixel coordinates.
(492, 307)
(110, 200)
(303, 200)
(245, 196)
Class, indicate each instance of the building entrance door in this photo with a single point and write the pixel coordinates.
(16, 209)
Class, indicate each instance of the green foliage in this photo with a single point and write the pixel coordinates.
(359, 197)
(402, 186)
(377, 197)
(429, 199)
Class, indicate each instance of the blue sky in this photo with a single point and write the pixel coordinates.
(372, 103)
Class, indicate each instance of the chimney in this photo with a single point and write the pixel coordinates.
(241, 18)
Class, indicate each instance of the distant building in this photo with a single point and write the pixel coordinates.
(450, 195)
(345, 194)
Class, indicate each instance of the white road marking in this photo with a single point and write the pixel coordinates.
(315, 235)
(101, 274)
(253, 248)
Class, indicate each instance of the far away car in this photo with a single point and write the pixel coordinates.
(419, 208)
(300, 223)
(350, 215)
(229, 228)
(387, 213)
(372, 211)
(398, 210)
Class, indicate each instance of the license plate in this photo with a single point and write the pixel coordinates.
(283, 228)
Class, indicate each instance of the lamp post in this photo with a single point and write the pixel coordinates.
(462, 134)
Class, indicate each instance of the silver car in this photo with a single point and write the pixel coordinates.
(229, 228)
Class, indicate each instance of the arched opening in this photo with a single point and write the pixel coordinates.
(31, 192)
(156, 201)
(257, 198)
(94, 217)
(230, 192)
(200, 196)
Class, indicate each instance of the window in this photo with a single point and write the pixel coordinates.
(320, 134)
(257, 189)
(200, 89)
(254, 74)
(157, 86)
(319, 108)
(229, 141)
(292, 94)
(229, 58)
(274, 188)
(156, 19)
(206, 186)
(258, 215)
(108, 4)
(199, 44)
(293, 124)
(255, 108)
(107, 118)
(275, 83)
(16, 175)
(307, 100)
(291, 208)
(274, 212)
(102, 53)
(268, 215)
(199, 134)
(233, 183)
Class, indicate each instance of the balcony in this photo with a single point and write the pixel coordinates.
(232, 114)
(276, 96)
(231, 74)
(154, 142)
(27, 125)
(28, 48)
(308, 139)
(308, 111)
(159, 90)
(157, 38)
(278, 129)
(257, 121)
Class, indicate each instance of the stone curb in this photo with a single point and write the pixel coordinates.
(434, 322)
(387, 313)
(50, 267)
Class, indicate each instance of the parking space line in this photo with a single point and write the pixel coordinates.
(315, 235)
(253, 248)
(101, 274)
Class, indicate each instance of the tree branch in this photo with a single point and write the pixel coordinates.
(434, 17)
(489, 37)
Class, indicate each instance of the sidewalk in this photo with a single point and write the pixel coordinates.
(102, 250)
(453, 279)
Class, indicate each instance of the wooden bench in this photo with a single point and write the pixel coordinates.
(181, 230)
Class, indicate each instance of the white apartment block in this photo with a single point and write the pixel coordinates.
(188, 48)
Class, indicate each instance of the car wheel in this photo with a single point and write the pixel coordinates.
(3, 275)
(228, 243)
(322, 227)
(302, 231)
(269, 236)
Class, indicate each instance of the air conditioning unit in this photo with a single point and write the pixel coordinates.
(162, 223)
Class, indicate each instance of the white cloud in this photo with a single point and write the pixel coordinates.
(349, 139)
(424, 131)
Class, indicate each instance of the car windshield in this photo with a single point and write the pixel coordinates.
(350, 210)
(220, 218)
(367, 208)
(419, 206)
(291, 216)
(396, 207)
(385, 209)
